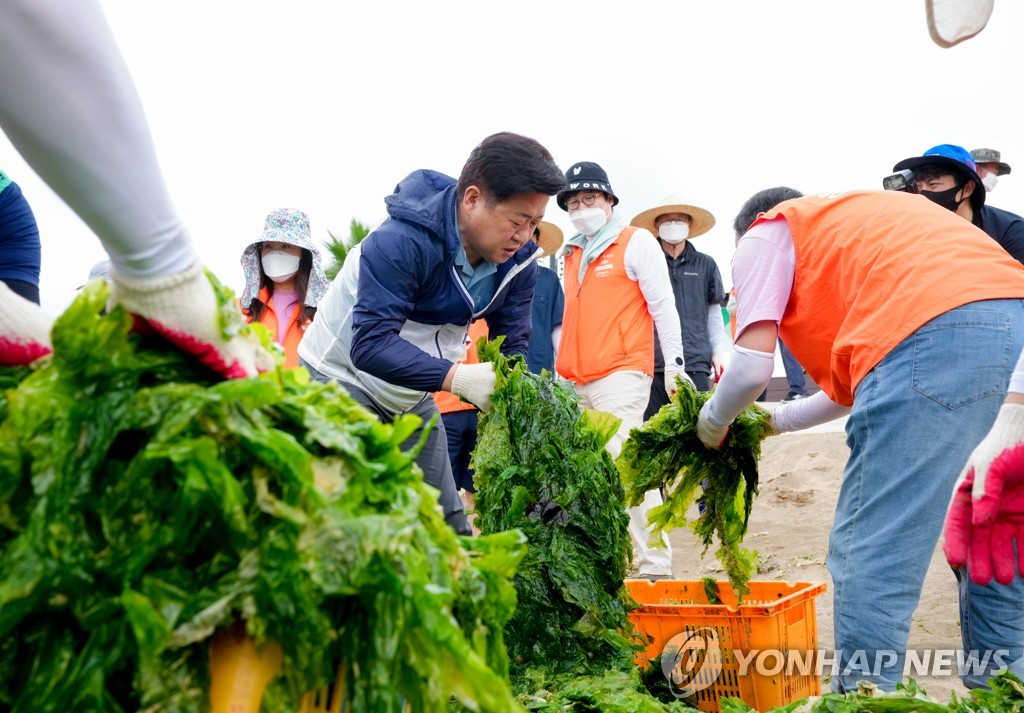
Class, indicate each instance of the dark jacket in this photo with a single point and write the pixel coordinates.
(697, 284)
(397, 314)
(1004, 227)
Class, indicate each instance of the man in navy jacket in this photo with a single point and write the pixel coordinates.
(394, 321)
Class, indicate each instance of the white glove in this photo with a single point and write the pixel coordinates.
(711, 436)
(24, 329)
(184, 309)
(475, 383)
(718, 363)
(670, 379)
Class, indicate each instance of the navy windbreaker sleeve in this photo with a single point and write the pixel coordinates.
(20, 253)
(387, 295)
(514, 318)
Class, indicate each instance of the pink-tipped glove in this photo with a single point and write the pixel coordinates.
(718, 363)
(670, 379)
(184, 309)
(987, 511)
(24, 329)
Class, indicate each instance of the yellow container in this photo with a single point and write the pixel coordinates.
(776, 624)
(240, 672)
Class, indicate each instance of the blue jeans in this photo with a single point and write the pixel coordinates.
(794, 371)
(916, 418)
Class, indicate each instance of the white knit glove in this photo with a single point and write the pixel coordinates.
(24, 329)
(184, 309)
(671, 372)
(718, 363)
(710, 435)
(475, 383)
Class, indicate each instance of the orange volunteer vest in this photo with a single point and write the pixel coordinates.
(292, 336)
(872, 267)
(446, 401)
(606, 326)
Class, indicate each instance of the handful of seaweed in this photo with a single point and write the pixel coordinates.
(666, 452)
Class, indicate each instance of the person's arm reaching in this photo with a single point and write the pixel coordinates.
(986, 515)
(752, 368)
(805, 413)
(389, 280)
(68, 104)
(763, 270)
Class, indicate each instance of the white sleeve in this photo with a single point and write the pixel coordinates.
(747, 376)
(68, 104)
(556, 340)
(804, 413)
(645, 263)
(1017, 377)
(716, 330)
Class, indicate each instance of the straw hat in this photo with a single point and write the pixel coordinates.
(549, 240)
(701, 221)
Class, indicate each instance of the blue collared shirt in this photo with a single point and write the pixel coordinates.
(481, 281)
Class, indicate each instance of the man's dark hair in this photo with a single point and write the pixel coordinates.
(505, 164)
(929, 171)
(762, 202)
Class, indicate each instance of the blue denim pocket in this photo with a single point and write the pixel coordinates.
(962, 356)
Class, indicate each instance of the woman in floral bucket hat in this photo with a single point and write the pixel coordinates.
(283, 279)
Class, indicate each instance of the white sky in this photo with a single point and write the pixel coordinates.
(325, 106)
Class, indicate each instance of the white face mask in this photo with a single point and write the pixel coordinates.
(990, 180)
(674, 231)
(588, 220)
(279, 265)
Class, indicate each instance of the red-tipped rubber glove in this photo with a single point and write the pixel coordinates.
(987, 512)
(670, 379)
(184, 309)
(24, 329)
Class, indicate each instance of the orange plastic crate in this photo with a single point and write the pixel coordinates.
(774, 616)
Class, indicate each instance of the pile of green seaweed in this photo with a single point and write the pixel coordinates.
(144, 506)
(541, 468)
(666, 453)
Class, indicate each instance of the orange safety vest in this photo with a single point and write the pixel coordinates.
(446, 401)
(292, 336)
(872, 267)
(606, 326)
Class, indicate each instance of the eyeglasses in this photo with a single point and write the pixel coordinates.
(587, 199)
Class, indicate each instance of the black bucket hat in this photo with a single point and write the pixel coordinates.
(585, 176)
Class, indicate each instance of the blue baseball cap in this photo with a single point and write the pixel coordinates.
(959, 162)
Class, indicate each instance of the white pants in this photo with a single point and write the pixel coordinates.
(625, 395)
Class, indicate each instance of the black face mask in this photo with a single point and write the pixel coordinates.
(946, 199)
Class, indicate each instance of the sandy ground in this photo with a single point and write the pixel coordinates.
(800, 478)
